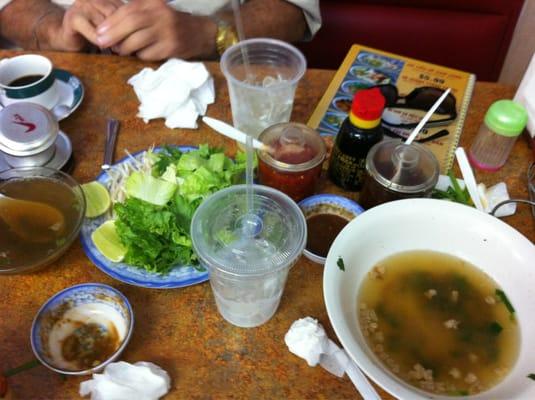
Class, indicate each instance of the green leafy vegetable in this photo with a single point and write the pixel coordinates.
(341, 264)
(531, 376)
(503, 297)
(154, 221)
(152, 190)
(453, 192)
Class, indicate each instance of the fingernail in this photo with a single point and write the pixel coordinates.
(102, 28)
(102, 40)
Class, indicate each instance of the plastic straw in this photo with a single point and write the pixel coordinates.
(426, 117)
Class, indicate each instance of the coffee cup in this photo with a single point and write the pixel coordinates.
(29, 78)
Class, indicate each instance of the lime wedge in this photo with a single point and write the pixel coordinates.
(107, 241)
(97, 199)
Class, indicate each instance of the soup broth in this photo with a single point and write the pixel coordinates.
(18, 251)
(438, 323)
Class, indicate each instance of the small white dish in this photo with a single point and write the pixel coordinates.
(61, 155)
(429, 224)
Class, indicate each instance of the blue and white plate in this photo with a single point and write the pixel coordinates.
(178, 276)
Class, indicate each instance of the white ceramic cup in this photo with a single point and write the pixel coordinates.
(42, 89)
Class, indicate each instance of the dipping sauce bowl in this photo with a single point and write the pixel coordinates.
(326, 215)
(294, 159)
(81, 329)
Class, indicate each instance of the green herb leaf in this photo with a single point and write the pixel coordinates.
(21, 368)
(341, 264)
(495, 328)
(531, 376)
(503, 297)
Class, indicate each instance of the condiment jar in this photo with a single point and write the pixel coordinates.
(397, 171)
(293, 159)
(28, 132)
(503, 123)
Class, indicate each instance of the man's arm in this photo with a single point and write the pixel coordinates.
(31, 24)
(154, 31)
(40, 24)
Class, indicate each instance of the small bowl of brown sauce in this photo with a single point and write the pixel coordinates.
(326, 215)
(81, 329)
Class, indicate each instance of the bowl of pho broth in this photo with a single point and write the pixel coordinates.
(41, 213)
(434, 299)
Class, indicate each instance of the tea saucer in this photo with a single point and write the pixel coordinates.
(70, 88)
(61, 155)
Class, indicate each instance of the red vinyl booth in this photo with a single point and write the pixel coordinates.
(471, 35)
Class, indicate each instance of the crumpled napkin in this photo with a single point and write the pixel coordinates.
(125, 381)
(178, 91)
(307, 339)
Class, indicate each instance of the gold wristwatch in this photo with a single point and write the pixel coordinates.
(226, 36)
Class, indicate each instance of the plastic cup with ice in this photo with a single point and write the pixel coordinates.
(248, 254)
(262, 75)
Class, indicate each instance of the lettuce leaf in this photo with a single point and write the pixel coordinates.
(154, 221)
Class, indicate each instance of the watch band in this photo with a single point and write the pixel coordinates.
(226, 36)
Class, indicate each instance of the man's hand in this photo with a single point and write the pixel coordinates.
(152, 30)
(80, 22)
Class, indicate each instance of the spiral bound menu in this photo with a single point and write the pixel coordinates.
(414, 81)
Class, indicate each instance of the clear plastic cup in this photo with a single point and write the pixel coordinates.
(248, 256)
(262, 75)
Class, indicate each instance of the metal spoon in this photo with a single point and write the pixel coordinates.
(31, 220)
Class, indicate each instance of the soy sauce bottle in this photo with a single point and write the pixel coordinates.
(358, 133)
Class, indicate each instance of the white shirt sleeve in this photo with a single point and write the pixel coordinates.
(4, 3)
(311, 9)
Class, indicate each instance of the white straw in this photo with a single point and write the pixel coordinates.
(231, 132)
(468, 176)
(420, 125)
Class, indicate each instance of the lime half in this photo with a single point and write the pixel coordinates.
(107, 241)
(97, 199)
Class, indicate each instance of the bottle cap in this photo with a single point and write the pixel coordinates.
(506, 118)
(368, 104)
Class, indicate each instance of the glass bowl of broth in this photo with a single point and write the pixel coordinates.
(41, 213)
(433, 299)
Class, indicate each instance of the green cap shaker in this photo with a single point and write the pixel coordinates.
(504, 122)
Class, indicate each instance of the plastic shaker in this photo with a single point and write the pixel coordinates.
(248, 256)
(503, 123)
(397, 171)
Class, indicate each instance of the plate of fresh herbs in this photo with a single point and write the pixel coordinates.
(154, 194)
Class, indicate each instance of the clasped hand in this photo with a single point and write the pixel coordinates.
(148, 29)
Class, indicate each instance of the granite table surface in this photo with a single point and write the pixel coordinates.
(181, 329)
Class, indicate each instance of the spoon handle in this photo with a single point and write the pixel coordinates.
(363, 385)
(111, 136)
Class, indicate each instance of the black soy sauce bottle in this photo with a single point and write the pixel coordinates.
(358, 133)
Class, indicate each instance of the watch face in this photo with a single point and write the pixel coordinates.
(226, 36)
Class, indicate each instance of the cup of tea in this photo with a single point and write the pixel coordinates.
(30, 78)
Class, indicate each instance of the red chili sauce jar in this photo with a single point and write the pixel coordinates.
(292, 160)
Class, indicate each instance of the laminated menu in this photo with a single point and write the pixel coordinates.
(411, 87)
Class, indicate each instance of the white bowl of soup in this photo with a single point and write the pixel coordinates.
(434, 299)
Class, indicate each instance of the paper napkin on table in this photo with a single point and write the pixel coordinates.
(307, 339)
(125, 381)
(178, 91)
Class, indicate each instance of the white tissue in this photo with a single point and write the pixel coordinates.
(178, 91)
(307, 339)
(125, 381)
